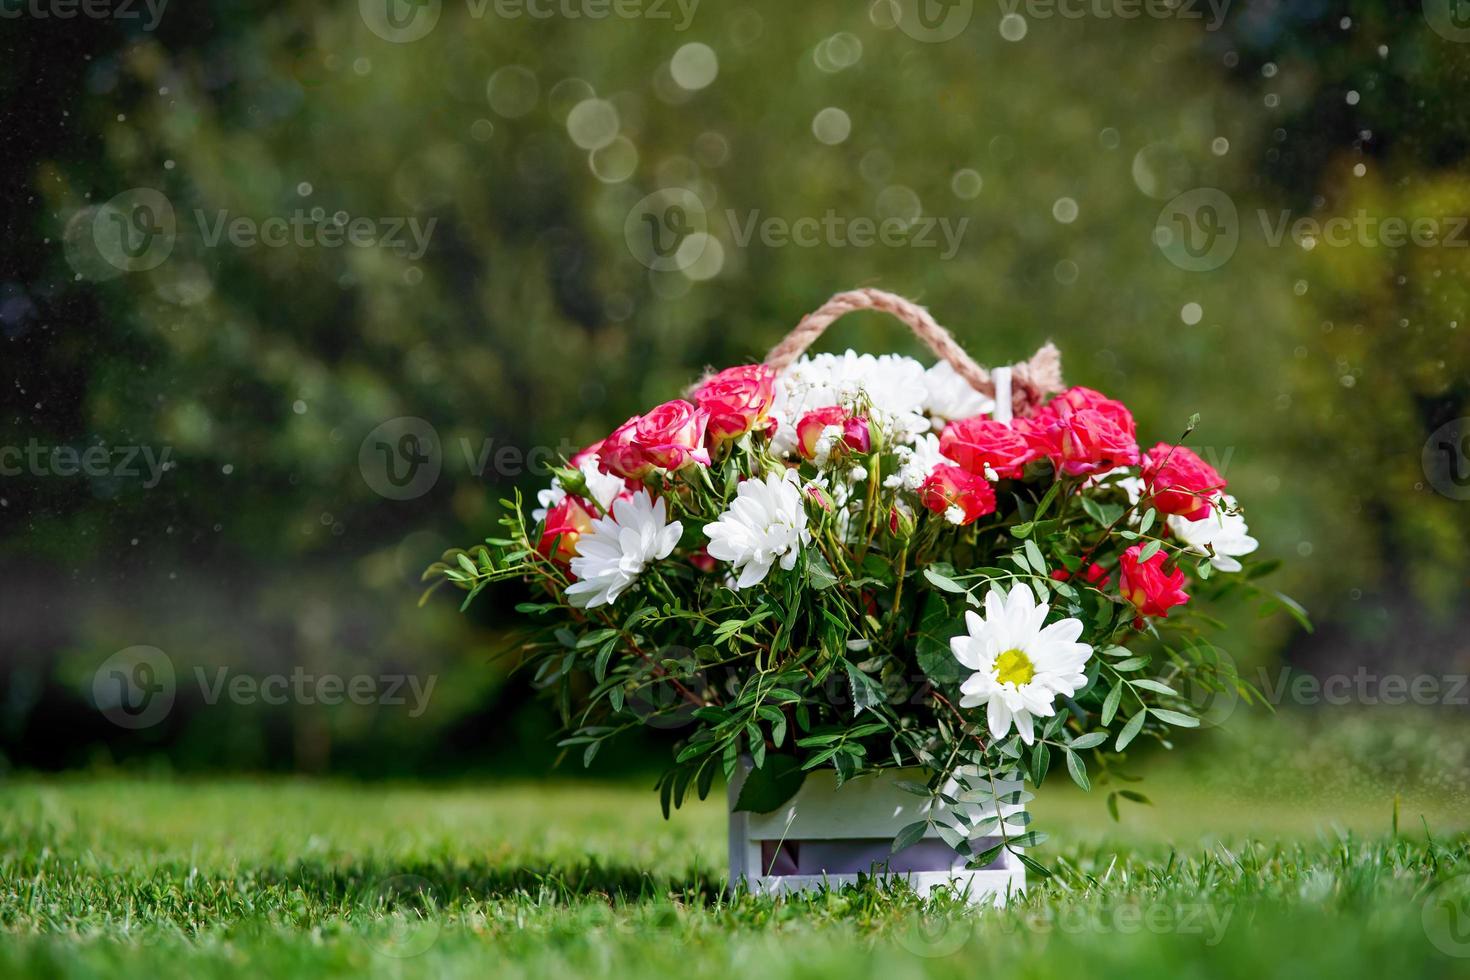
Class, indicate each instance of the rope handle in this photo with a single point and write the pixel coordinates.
(1031, 381)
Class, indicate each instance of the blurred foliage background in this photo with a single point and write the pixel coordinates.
(1320, 370)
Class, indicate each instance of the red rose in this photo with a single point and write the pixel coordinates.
(568, 520)
(980, 442)
(1090, 440)
(619, 454)
(1180, 482)
(737, 399)
(1079, 399)
(1093, 574)
(950, 486)
(855, 435)
(1146, 584)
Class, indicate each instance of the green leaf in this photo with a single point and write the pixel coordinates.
(1149, 550)
(818, 572)
(1110, 704)
(943, 582)
(1175, 718)
(1130, 731)
(1033, 554)
(931, 646)
(1040, 763)
(768, 787)
(866, 693)
(1077, 770)
(1034, 866)
(909, 835)
(1090, 740)
(1158, 687)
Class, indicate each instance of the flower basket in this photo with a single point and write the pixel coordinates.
(827, 835)
(899, 593)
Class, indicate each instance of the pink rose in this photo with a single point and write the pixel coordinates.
(855, 435)
(1180, 482)
(980, 442)
(672, 435)
(1146, 584)
(619, 453)
(950, 486)
(738, 399)
(670, 438)
(568, 520)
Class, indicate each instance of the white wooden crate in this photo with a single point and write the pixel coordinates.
(790, 849)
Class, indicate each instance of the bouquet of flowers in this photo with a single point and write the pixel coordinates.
(858, 562)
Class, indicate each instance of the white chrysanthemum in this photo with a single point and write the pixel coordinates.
(1223, 530)
(915, 462)
(604, 488)
(766, 522)
(1020, 664)
(613, 554)
(894, 387)
(949, 397)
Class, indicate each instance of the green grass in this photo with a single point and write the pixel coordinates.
(123, 877)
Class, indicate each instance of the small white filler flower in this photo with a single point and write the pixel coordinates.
(1222, 531)
(766, 522)
(1020, 665)
(613, 554)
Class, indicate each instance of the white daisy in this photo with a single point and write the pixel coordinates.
(1223, 530)
(1020, 665)
(765, 522)
(948, 397)
(604, 488)
(613, 554)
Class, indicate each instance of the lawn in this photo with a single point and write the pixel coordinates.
(106, 876)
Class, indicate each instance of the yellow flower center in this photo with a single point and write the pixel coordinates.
(1014, 667)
